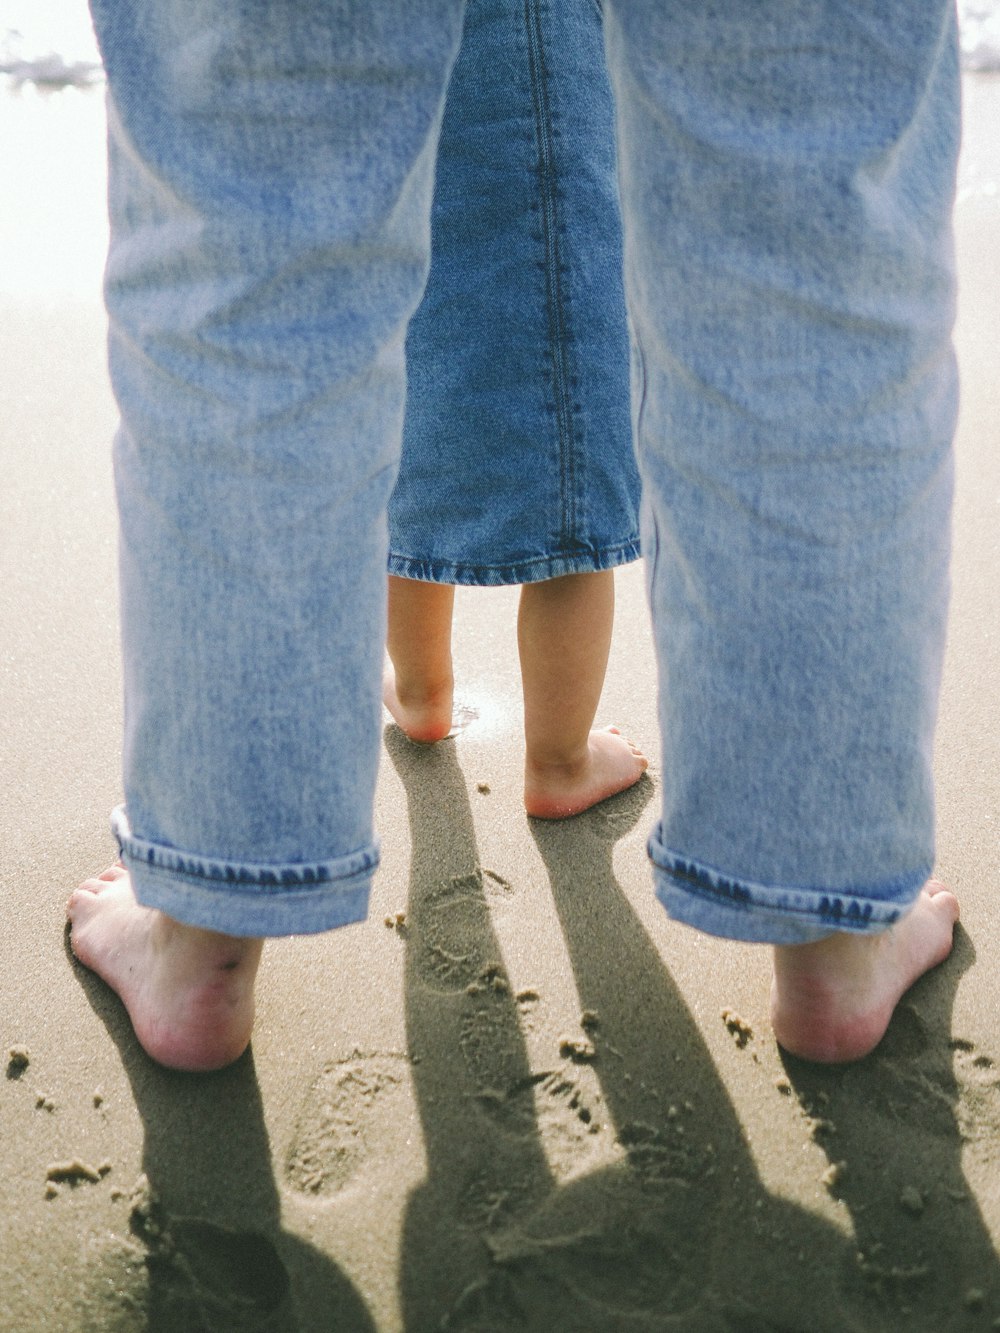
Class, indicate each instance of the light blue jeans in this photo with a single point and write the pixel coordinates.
(786, 173)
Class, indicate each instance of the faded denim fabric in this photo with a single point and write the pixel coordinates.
(517, 461)
(271, 172)
(787, 181)
(787, 173)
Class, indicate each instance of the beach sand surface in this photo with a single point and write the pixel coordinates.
(517, 1097)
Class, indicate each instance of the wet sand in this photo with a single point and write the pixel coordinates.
(518, 1096)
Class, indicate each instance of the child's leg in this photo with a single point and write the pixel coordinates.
(418, 686)
(564, 634)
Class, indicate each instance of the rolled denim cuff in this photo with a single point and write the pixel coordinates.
(706, 898)
(552, 566)
(240, 898)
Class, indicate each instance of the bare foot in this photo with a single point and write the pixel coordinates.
(426, 716)
(188, 992)
(832, 1001)
(557, 790)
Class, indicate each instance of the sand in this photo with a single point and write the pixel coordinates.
(518, 1097)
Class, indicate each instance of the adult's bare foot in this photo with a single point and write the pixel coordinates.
(832, 1001)
(425, 715)
(557, 790)
(188, 992)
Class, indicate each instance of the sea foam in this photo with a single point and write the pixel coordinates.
(51, 47)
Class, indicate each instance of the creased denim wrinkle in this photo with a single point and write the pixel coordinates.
(307, 229)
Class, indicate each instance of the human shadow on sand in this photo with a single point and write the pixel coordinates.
(679, 1232)
(205, 1251)
(899, 1129)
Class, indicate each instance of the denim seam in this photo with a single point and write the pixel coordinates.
(533, 570)
(251, 890)
(845, 909)
(559, 338)
(237, 878)
(641, 386)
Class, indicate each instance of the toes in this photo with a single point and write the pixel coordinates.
(90, 887)
(98, 883)
(616, 731)
(81, 899)
(945, 901)
(624, 742)
(942, 898)
(935, 886)
(637, 754)
(84, 894)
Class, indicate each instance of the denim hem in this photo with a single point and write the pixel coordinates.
(704, 897)
(242, 898)
(535, 570)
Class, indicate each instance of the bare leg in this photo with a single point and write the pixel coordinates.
(188, 992)
(832, 1001)
(564, 635)
(419, 685)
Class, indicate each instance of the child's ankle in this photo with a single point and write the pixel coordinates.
(562, 765)
(425, 691)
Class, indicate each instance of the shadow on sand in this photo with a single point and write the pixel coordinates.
(206, 1251)
(679, 1232)
(612, 1188)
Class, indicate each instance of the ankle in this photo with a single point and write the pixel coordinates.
(201, 961)
(423, 691)
(829, 967)
(559, 763)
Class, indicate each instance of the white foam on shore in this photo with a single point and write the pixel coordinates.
(980, 27)
(52, 73)
(37, 30)
(51, 46)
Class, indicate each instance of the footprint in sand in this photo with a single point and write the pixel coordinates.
(184, 1273)
(640, 1266)
(931, 1080)
(449, 927)
(562, 1105)
(915, 1078)
(353, 1114)
(978, 1108)
(492, 1199)
(548, 1252)
(573, 1123)
(497, 1075)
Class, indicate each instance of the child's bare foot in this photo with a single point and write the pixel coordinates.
(188, 992)
(556, 790)
(832, 1001)
(425, 715)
